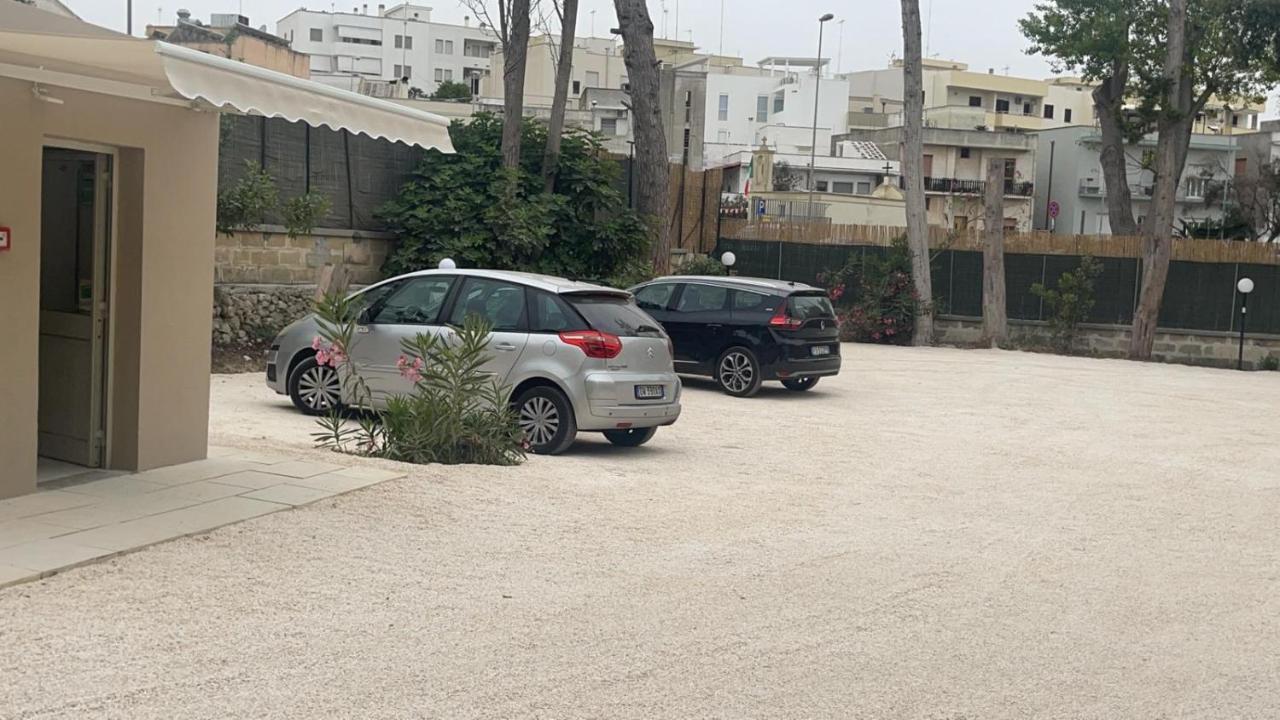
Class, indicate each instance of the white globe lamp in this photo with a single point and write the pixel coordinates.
(447, 264)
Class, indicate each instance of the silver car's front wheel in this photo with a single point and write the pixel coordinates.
(737, 373)
(545, 416)
(314, 388)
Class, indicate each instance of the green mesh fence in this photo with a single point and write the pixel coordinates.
(1198, 296)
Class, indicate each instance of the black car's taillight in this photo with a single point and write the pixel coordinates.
(782, 319)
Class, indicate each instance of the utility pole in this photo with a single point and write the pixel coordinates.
(128, 17)
(840, 48)
(817, 85)
(722, 27)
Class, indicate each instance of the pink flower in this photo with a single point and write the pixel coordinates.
(875, 336)
(410, 369)
(890, 332)
(328, 354)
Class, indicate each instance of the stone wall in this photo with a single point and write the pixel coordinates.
(248, 313)
(271, 256)
(1215, 349)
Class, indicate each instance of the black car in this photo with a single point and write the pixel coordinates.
(744, 331)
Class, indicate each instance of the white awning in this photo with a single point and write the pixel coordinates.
(53, 51)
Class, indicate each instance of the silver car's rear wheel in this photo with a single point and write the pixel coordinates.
(738, 373)
(540, 420)
(314, 388)
(545, 416)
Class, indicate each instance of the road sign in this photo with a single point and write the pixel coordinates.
(760, 207)
(1054, 208)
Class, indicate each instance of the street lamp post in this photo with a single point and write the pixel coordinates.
(728, 259)
(1245, 286)
(817, 85)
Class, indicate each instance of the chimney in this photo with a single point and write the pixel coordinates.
(466, 21)
(382, 9)
(365, 8)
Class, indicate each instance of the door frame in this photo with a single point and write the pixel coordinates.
(103, 398)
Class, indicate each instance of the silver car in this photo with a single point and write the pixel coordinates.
(577, 356)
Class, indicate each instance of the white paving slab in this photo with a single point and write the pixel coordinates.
(80, 517)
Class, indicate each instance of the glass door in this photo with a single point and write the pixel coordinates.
(75, 222)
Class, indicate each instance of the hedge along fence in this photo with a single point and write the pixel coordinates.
(1199, 295)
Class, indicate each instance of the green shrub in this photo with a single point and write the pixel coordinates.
(701, 265)
(1271, 362)
(254, 197)
(1069, 303)
(247, 203)
(875, 296)
(457, 412)
(450, 90)
(303, 213)
(465, 206)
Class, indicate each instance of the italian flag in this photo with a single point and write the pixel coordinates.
(747, 190)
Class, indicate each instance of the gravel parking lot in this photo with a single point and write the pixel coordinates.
(935, 534)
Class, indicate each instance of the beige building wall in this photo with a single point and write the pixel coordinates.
(597, 62)
(163, 279)
(848, 209)
(247, 49)
(1069, 93)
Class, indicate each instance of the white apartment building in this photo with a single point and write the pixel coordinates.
(772, 103)
(1074, 182)
(399, 43)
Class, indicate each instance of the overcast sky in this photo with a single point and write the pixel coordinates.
(983, 34)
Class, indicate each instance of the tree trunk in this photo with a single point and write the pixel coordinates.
(913, 169)
(995, 319)
(564, 67)
(1174, 135)
(515, 53)
(651, 170)
(1108, 98)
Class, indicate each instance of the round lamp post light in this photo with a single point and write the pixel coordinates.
(447, 264)
(728, 259)
(1245, 286)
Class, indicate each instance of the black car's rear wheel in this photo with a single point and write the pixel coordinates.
(800, 384)
(634, 437)
(738, 372)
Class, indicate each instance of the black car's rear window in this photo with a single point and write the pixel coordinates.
(615, 315)
(807, 307)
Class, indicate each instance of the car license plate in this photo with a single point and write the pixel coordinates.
(820, 350)
(650, 392)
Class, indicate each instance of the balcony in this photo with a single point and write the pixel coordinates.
(956, 186)
(1016, 120)
(1136, 190)
(1210, 193)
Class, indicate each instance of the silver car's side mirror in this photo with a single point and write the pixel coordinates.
(364, 318)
